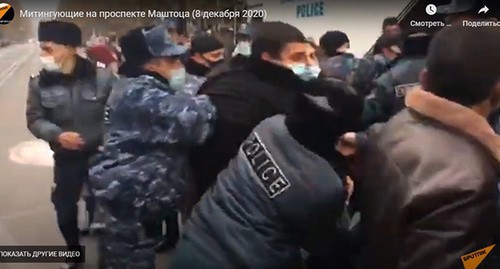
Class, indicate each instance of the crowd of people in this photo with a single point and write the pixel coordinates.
(289, 154)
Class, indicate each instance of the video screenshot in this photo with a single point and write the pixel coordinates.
(250, 134)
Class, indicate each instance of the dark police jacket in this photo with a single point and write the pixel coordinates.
(275, 197)
(58, 103)
(391, 87)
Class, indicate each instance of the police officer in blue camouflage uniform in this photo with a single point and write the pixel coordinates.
(139, 177)
(391, 87)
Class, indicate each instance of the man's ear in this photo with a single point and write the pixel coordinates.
(197, 57)
(149, 66)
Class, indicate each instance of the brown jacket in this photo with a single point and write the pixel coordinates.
(429, 188)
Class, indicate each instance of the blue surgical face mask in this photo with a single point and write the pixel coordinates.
(244, 48)
(312, 72)
(177, 79)
(305, 72)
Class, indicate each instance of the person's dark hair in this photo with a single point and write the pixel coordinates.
(387, 42)
(463, 64)
(331, 41)
(312, 44)
(389, 21)
(272, 37)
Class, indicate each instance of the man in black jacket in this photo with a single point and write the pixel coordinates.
(268, 85)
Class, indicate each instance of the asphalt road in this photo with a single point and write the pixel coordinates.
(26, 213)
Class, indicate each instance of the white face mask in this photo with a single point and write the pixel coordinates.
(244, 48)
(49, 64)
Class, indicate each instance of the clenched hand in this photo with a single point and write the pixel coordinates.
(71, 140)
(347, 144)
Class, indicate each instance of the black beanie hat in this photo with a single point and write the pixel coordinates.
(135, 51)
(59, 32)
(205, 43)
(331, 41)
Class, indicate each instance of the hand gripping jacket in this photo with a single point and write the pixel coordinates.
(139, 177)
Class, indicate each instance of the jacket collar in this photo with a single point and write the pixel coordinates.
(455, 116)
(274, 74)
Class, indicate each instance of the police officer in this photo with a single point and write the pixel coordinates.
(373, 66)
(391, 87)
(140, 176)
(65, 107)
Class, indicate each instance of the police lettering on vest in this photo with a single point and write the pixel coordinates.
(270, 177)
(310, 10)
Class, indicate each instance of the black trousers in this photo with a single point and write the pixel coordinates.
(70, 173)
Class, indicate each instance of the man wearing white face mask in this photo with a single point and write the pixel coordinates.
(65, 107)
(140, 176)
(266, 85)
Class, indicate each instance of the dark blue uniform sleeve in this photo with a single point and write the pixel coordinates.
(175, 119)
(378, 106)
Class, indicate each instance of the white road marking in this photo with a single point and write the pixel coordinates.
(28, 212)
(15, 66)
(35, 152)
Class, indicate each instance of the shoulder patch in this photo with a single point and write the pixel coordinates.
(270, 177)
(401, 90)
